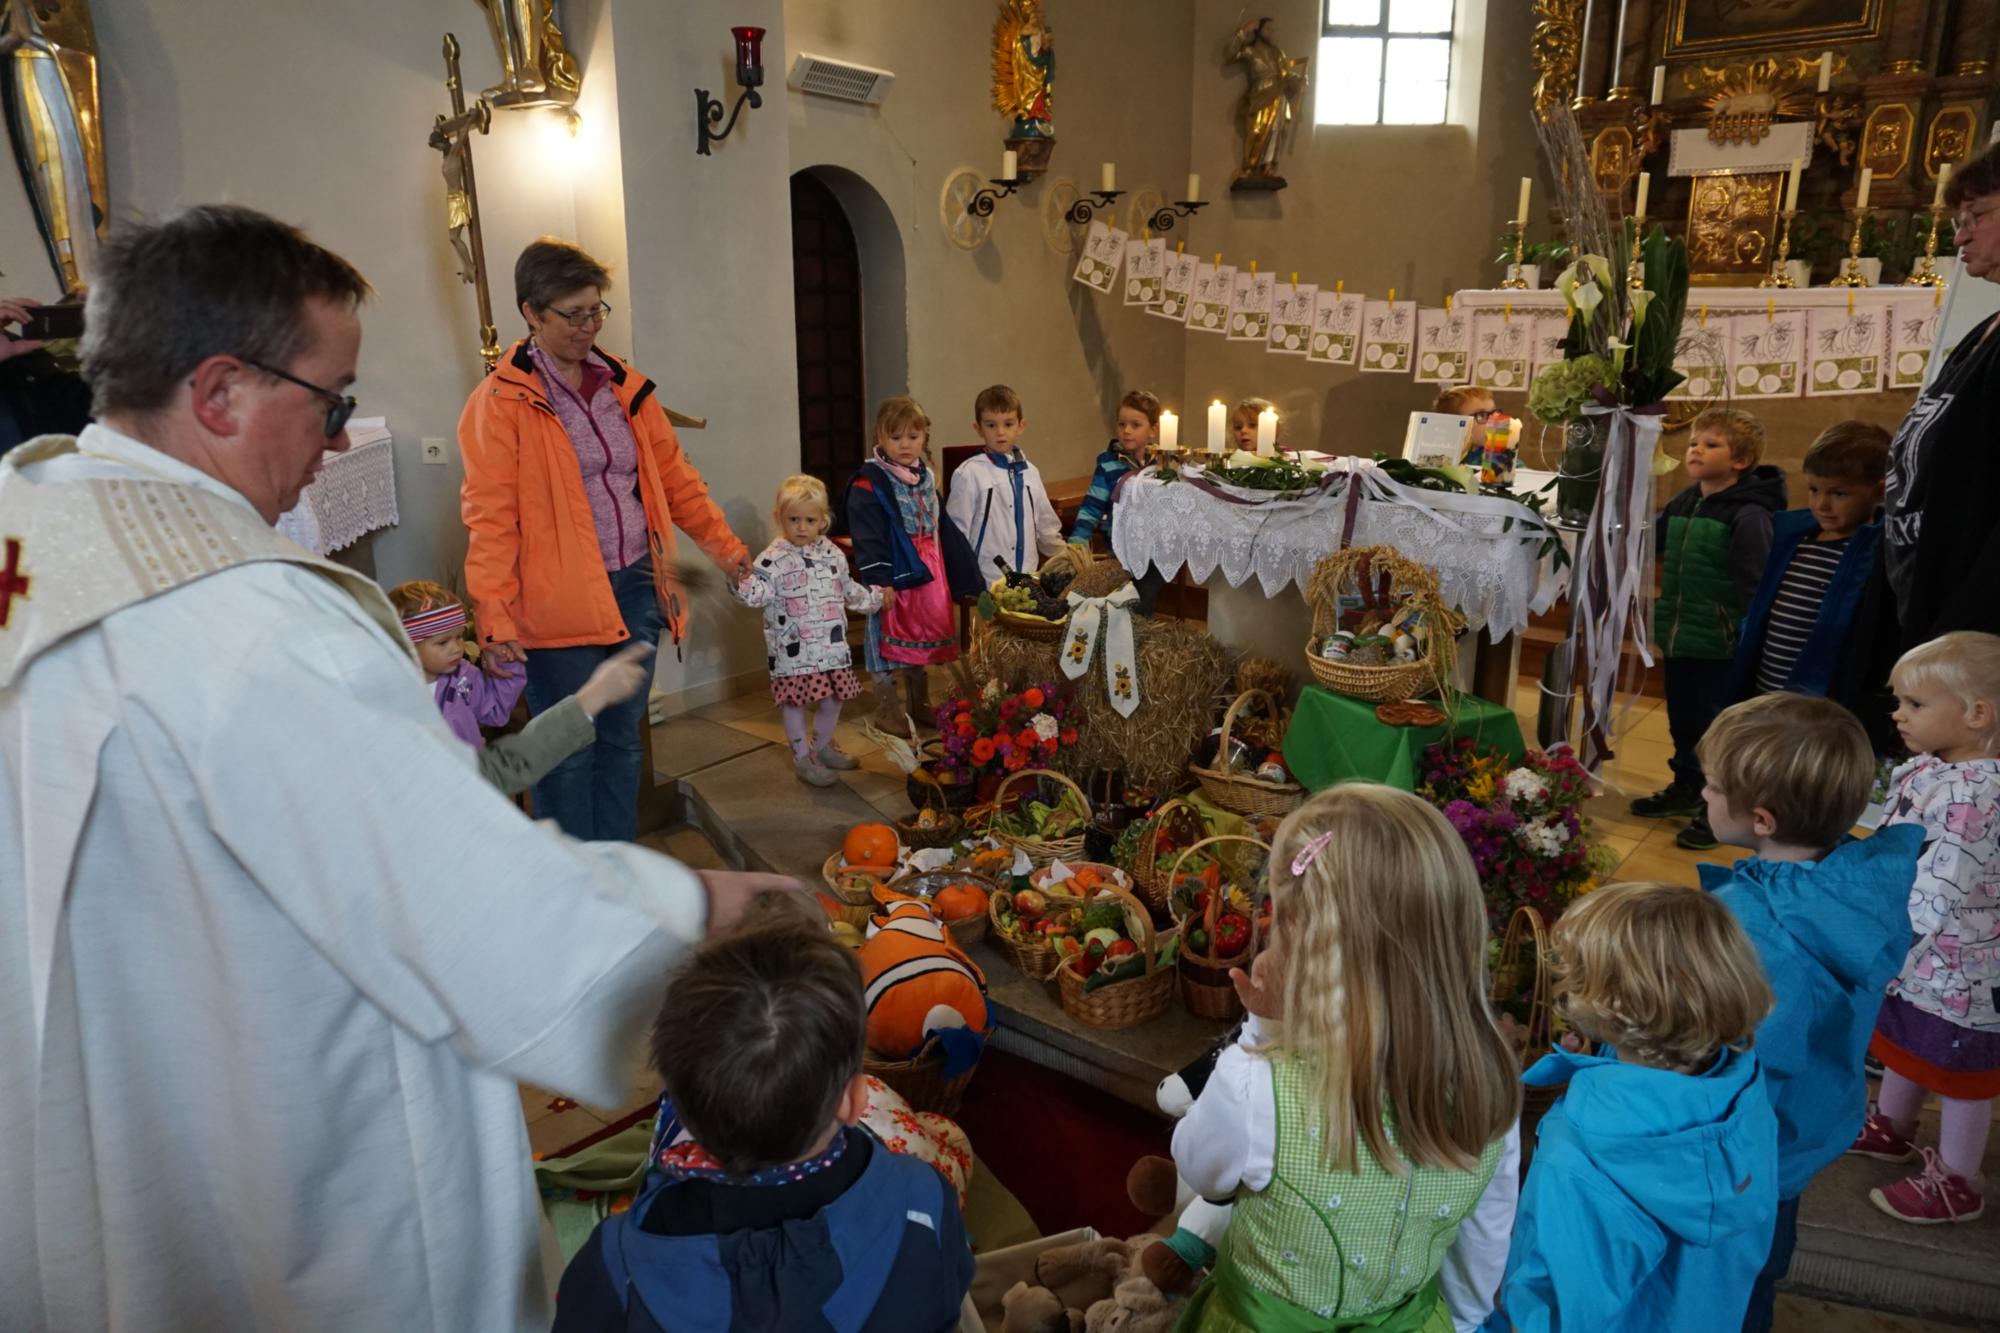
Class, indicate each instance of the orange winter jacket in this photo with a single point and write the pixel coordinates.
(532, 564)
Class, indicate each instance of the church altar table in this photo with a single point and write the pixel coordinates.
(353, 495)
(1719, 300)
(1334, 738)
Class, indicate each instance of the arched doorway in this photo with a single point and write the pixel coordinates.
(826, 291)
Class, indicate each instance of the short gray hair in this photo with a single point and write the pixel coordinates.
(551, 268)
(213, 280)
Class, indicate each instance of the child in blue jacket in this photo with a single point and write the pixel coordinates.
(1787, 776)
(1650, 1201)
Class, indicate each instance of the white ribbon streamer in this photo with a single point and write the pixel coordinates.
(1612, 589)
(1109, 619)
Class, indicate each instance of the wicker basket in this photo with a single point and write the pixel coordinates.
(1513, 974)
(1206, 989)
(1039, 850)
(1036, 958)
(1031, 627)
(965, 932)
(920, 1080)
(1130, 1002)
(1149, 877)
(1241, 792)
(1381, 572)
(945, 827)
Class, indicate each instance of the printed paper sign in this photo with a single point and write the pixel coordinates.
(1701, 354)
(1103, 250)
(1388, 333)
(1292, 317)
(1444, 340)
(1549, 328)
(1336, 332)
(1845, 352)
(1913, 327)
(1176, 286)
(1502, 350)
(1765, 354)
(1250, 306)
(1145, 270)
(1208, 308)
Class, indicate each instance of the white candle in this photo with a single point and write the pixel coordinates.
(1521, 211)
(1645, 181)
(1659, 84)
(1007, 161)
(1170, 430)
(1194, 189)
(1110, 174)
(1218, 422)
(1944, 174)
(1825, 70)
(1792, 187)
(1861, 195)
(1267, 432)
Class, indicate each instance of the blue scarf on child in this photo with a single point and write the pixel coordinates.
(1016, 468)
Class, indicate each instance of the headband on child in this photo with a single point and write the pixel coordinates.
(1310, 851)
(438, 620)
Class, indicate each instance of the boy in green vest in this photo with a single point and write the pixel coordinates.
(1713, 539)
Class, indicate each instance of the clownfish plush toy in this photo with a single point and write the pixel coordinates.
(919, 984)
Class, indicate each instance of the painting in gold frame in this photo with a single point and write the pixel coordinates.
(1717, 27)
(1732, 227)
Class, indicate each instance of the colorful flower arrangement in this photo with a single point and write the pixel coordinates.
(1000, 732)
(1523, 824)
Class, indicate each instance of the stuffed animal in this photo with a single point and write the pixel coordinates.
(919, 984)
(1027, 1309)
(1129, 1302)
(1174, 1264)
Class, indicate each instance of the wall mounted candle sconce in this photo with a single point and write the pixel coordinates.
(981, 204)
(749, 76)
(1083, 210)
(1180, 208)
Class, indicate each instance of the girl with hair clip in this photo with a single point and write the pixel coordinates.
(1367, 1121)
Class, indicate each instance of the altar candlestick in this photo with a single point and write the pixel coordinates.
(1583, 50)
(1218, 421)
(1110, 174)
(1170, 431)
(1639, 208)
(1944, 174)
(1194, 188)
(1659, 84)
(1861, 196)
(1007, 163)
(1825, 70)
(1792, 187)
(1267, 432)
(1618, 47)
(1521, 212)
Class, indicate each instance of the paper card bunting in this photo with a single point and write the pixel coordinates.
(1145, 270)
(1913, 327)
(1208, 308)
(1176, 286)
(1444, 338)
(1388, 333)
(1502, 350)
(1845, 351)
(1701, 355)
(1250, 306)
(1547, 328)
(1291, 318)
(1336, 332)
(1103, 252)
(1765, 354)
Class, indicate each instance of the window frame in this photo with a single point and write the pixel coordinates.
(1383, 34)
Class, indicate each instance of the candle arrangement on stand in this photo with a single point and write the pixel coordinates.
(1218, 427)
(1514, 281)
(1850, 267)
(1781, 271)
(1170, 442)
(1267, 433)
(1926, 274)
(1635, 272)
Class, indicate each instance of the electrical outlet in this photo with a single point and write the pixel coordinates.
(434, 447)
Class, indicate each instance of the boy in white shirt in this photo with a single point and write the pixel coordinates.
(997, 498)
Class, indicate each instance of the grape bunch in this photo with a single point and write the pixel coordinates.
(1032, 594)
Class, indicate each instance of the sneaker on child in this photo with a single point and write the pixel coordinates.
(1935, 1195)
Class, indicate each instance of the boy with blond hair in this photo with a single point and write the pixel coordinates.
(1787, 776)
(1713, 540)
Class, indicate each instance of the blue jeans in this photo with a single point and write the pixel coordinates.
(1764, 1296)
(594, 794)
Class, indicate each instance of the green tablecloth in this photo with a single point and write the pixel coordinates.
(1337, 739)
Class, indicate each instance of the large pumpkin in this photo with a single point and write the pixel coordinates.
(958, 902)
(870, 845)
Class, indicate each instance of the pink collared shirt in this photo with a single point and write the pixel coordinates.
(606, 451)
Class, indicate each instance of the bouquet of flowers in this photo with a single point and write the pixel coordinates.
(999, 732)
(1524, 825)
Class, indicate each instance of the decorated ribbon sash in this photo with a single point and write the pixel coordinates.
(1109, 619)
(1612, 587)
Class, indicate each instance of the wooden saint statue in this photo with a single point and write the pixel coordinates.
(1024, 77)
(48, 81)
(1270, 102)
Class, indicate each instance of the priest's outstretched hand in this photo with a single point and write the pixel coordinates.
(730, 893)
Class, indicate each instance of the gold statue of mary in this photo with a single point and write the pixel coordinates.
(1270, 102)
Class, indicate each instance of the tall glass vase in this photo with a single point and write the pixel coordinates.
(1582, 472)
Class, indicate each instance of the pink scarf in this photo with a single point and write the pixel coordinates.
(908, 476)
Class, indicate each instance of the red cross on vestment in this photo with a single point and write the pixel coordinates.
(13, 583)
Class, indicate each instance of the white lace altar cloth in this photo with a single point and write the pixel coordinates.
(1485, 550)
(354, 494)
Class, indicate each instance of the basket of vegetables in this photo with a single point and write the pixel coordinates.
(1029, 926)
(868, 858)
(1118, 971)
(1045, 832)
(1380, 630)
(1222, 923)
(934, 824)
(957, 898)
(1250, 779)
(1164, 833)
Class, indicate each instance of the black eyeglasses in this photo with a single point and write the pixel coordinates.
(576, 319)
(339, 407)
(1483, 417)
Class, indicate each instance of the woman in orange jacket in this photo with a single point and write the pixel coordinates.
(574, 484)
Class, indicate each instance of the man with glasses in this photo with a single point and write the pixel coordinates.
(263, 929)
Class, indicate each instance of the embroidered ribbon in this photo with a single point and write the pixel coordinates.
(1109, 619)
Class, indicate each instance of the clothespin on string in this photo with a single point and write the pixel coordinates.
(1253, 268)
(1180, 247)
(1507, 312)
(1146, 234)
(1850, 302)
(1295, 277)
(1447, 303)
(1392, 296)
(1701, 320)
(1218, 259)
(1770, 309)
(1340, 287)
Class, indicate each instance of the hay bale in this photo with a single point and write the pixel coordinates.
(1181, 671)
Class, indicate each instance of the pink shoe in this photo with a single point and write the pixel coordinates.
(1937, 1195)
(1879, 1139)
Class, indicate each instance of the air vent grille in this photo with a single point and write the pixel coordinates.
(838, 79)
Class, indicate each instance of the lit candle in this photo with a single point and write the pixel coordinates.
(1639, 209)
(1792, 187)
(1267, 432)
(1521, 212)
(1944, 174)
(1007, 161)
(1110, 174)
(1194, 188)
(1861, 195)
(1825, 70)
(1170, 430)
(1218, 422)
(1659, 84)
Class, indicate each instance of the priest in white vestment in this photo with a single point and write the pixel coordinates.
(272, 956)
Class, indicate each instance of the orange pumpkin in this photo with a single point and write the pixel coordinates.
(870, 845)
(959, 902)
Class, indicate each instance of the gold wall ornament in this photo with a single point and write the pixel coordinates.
(536, 68)
(1972, 69)
(48, 77)
(1716, 27)
(452, 136)
(1556, 48)
(1612, 162)
(1732, 222)
(1745, 99)
(1770, 72)
(1949, 138)
(1904, 67)
(1887, 137)
(1837, 119)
